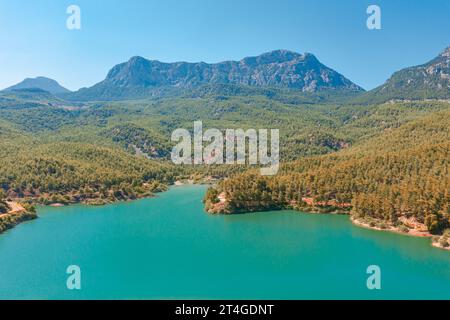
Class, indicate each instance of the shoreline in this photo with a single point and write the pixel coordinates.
(411, 232)
(18, 214)
(417, 230)
(15, 216)
(94, 203)
(439, 246)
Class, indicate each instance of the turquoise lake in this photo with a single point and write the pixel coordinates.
(168, 248)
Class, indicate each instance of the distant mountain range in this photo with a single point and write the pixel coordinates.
(42, 83)
(280, 69)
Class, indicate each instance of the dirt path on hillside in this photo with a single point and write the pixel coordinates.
(16, 208)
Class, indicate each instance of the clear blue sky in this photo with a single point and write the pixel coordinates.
(35, 40)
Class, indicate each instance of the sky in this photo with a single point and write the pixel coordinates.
(34, 39)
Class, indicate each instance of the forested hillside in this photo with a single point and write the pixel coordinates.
(401, 173)
(72, 172)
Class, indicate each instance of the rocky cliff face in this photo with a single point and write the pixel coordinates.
(281, 68)
(278, 69)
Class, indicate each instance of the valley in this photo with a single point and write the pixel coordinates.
(380, 156)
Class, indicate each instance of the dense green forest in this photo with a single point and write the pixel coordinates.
(402, 172)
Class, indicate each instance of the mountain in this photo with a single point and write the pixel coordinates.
(42, 83)
(428, 81)
(140, 77)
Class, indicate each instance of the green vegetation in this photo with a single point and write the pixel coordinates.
(73, 172)
(382, 162)
(8, 221)
(3, 205)
(402, 172)
(428, 81)
(138, 140)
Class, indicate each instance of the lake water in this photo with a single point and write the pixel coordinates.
(169, 248)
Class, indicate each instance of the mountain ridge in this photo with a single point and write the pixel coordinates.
(278, 68)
